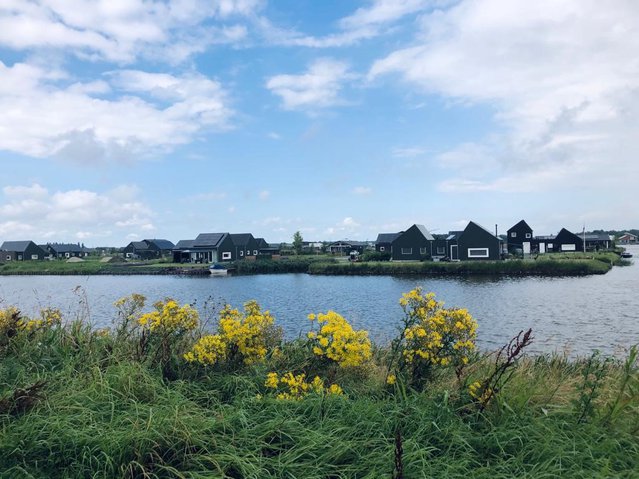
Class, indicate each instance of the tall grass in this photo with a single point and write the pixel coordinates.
(104, 414)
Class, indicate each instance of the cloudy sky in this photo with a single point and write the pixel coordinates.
(130, 119)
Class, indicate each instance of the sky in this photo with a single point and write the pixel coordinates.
(130, 119)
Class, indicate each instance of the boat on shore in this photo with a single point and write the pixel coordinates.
(218, 270)
(626, 255)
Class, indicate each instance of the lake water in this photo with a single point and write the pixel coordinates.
(574, 314)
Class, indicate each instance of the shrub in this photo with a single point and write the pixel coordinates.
(337, 341)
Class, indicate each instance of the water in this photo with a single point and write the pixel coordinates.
(576, 315)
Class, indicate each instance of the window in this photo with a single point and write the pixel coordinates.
(242, 253)
(34, 256)
(248, 252)
(381, 248)
(513, 234)
(478, 252)
(528, 235)
(407, 250)
(441, 250)
(422, 250)
(254, 252)
(66, 255)
(568, 247)
(8, 257)
(226, 255)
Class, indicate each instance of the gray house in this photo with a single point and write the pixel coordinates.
(206, 248)
(476, 243)
(21, 251)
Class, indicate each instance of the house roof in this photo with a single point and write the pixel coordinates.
(64, 247)
(209, 240)
(161, 243)
(139, 245)
(386, 237)
(480, 226)
(452, 235)
(18, 246)
(521, 223)
(425, 232)
(241, 239)
(261, 243)
(597, 237)
(349, 243)
(184, 244)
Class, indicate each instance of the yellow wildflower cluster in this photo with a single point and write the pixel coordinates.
(9, 319)
(169, 318)
(337, 340)
(480, 395)
(49, 317)
(295, 387)
(245, 334)
(435, 334)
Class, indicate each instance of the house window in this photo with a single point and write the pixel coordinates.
(513, 234)
(34, 256)
(568, 247)
(66, 255)
(422, 250)
(407, 250)
(528, 235)
(242, 253)
(381, 248)
(478, 252)
(441, 250)
(248, 252)
(8, 257)
(226, 255)
(254, 252)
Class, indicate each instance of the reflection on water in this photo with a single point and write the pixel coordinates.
(572, 314)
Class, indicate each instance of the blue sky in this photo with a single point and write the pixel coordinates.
(131, 119)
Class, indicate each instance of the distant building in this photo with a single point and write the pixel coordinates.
(245, 245)
(627, 238)
(520, 238)
(65, 250)
(477, 243)
(345, 247)
(21, 251)
(414, 244)
(206, 248)
(148, 249)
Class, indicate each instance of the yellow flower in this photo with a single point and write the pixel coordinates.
(391, 379)
(272, 381)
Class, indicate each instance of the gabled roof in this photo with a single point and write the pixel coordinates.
(241, 239)
(480, 226)
(64, 247)
(453, 235)
(209, 240)
(139, 245)
(425, 232)
(521, 223)
(17, 246)
(261, 243)
(184, 244)
(161, 243)
(386, 237)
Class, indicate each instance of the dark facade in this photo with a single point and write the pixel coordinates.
(346, 247)
(148, 249)
(206, 248)
(245, 245)
(384, 241)
(22, 251)
(414, 244)
(567, 241)
(520, 237)
(477, 243)
(65, 250)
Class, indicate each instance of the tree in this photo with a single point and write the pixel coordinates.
(297, 242)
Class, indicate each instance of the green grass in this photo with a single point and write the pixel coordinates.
(539, 267)
(103, 414)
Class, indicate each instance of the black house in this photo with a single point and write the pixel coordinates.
(65, 250)
(384, 241)
(206, 248)
(245, 245)
(414, 244)
(567, 241)
(477, 243)
(520, 237)
(21, 251)
(148, 249)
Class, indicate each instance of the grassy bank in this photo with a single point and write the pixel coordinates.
(539, 267)
(76, 402)
(293, 264)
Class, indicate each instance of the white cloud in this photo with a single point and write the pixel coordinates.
(318, 88)
(409, 152)
(562, 79)
(42, 118)
(72, 214)
(122, 30)
(362, 190)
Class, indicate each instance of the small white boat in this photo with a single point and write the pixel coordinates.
(217, 270)
(626, 254)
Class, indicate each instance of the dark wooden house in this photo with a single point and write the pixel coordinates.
(21, 251)
(567, 241)
(245, 245)
(477, 243)
(414, 244)
(520, 238)
(206, 248)
(148, 249)
(65, 250)
(384, 241)
(345, 247)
